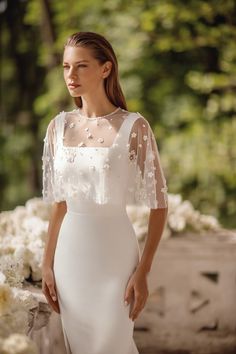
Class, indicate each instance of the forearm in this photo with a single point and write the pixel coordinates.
(156, 226)
(57, 214)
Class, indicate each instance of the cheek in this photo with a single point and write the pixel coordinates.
(90, 75)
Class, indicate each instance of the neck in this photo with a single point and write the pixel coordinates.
(96, 106)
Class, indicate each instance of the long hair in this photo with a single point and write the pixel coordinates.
(102, 51)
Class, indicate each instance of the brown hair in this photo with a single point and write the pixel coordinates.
(102, 51)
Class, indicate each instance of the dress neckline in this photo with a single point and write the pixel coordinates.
(118, 134)
(97, 117)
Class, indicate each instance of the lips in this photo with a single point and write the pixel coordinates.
(73, 85)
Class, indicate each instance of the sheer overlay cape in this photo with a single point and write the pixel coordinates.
(118, 162)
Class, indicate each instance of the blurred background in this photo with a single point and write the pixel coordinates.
(177, 64)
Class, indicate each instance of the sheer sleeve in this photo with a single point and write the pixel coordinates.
(147, 184)
(47, 163)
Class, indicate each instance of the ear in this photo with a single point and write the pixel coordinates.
(106, 69)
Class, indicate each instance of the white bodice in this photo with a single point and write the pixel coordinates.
(110, 160)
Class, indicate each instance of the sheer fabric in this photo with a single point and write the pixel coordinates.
(49, 147)
(147, 183)
(110, 159)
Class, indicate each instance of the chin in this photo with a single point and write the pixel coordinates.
(74, 94)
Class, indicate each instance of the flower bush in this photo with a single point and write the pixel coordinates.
(23, 233)
(17, 344)
(182, 217)
(15, 307)
(22, 237)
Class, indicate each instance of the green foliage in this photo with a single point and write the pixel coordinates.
(177, 67)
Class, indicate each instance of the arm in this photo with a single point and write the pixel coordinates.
(57, 214)
(58, 211)
(150, 189)
(48, 281)
(138, 280)
(58, 208)
(157, 220)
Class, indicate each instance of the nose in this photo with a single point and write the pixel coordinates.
(72, 74)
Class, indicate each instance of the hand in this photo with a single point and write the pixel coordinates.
(48, 288)
(136, 290)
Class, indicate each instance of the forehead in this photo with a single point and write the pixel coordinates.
(72, 54)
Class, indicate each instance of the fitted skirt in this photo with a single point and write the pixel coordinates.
(96, 253)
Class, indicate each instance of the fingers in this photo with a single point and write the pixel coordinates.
(136, 306)
(139, 303)
(136, 299)
(50, 294)
(50, 285)
(128, 295)
(53, 304)
(52, 291)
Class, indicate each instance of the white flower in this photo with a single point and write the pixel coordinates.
(89, 136)
(71, 125)
(150, 174)
(133, 135)
(81, 143)
(24, 299)
(151, 156)
(34, 227)
(139, 217)
(181, 214)
(209, 222)
(176, 223)
(164, 189)
(22, 238)
(2, 278)
(18, 344)
(36, 207)
(106, 166)
(145, 137)
(12, 268)
(16, 321)
(174, 201)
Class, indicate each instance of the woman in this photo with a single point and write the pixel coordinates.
(97, 159)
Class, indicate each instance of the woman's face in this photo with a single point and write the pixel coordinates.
(83, 71)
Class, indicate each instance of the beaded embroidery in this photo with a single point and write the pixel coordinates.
(103, 159)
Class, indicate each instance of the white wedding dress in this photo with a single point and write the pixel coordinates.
(99, 165)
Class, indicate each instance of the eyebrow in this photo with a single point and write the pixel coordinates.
(80, 61)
